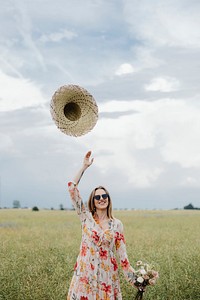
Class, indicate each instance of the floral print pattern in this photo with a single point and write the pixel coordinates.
(96, 270)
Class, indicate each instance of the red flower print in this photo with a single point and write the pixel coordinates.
(83, 298)
(75, 267)
(122, 237)
(106, 288)
(116, 235)
(119, 237)
(114, 262)
(84, 280)
(83, 249)
(95, 236)
(103, 253)
(116, 292)
(92, 267)
(125, 264)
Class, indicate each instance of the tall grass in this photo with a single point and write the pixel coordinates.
(39, 249)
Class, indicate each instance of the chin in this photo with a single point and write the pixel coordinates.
(102, 207)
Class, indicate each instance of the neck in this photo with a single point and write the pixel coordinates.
(102, 214)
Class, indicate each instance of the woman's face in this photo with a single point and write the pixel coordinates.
(101, 202)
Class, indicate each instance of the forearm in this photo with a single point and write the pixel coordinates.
(78, 176)
(120, 245)
(86, 163)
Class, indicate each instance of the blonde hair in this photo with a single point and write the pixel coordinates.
(91, 205)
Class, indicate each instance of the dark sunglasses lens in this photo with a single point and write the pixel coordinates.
(98, 197)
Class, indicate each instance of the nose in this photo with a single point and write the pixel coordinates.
(102, 200)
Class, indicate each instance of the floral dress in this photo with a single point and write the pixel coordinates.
(96, 271)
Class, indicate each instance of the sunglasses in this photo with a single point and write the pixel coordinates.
(98, 197)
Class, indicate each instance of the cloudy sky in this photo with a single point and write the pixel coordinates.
(140, 60)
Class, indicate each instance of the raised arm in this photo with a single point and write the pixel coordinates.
(86, 163)
(73, 189)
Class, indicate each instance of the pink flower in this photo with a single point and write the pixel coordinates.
(155, 274)
(152, 281)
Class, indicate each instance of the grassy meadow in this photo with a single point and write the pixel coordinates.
(39, 249)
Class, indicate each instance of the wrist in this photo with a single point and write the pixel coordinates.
(84, 167)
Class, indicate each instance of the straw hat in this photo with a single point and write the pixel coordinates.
(74, 110)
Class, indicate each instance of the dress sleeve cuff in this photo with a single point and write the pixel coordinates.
(71, 184)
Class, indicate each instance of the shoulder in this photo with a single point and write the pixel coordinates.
(118, 224)
(117, 221)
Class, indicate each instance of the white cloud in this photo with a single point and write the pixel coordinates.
(18, 93)
(141, 145)
(182, 143)
(6, 143)
(172, 23)
(146, 58)
(58, 36)
(124, 69)
(24, 28)
(162, 84)
(190, 181)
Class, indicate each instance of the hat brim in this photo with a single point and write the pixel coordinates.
(74, 110)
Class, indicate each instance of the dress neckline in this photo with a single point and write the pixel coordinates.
(110, 222)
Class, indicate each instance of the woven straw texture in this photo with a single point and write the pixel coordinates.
(74, 110)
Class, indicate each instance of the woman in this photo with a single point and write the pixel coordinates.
(96, 271)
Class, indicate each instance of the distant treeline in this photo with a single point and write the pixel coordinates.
(16, 204)
(190, 206)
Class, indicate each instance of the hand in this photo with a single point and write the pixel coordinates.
(87, 160)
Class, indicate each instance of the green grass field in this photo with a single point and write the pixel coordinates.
(39, 249)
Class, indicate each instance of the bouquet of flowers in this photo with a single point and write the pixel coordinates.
(145, 275)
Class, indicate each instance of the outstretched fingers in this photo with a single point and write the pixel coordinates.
(88, 160)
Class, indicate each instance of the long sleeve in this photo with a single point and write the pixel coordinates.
(77, 201)
(120, 245)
